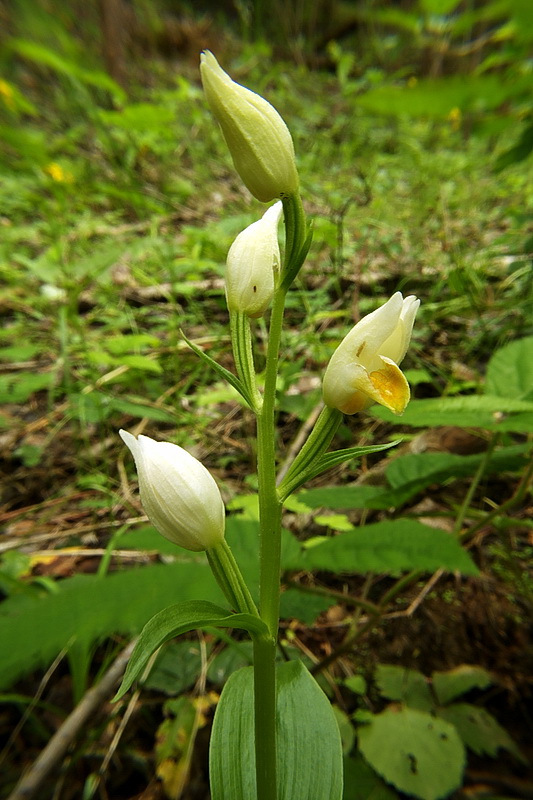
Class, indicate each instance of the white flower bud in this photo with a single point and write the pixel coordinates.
(259, 141)
(364, 367)
(252, 264)
(179, 495)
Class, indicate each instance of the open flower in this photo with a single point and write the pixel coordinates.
(259, 141)
(252, 264)
(178, 493)
(364, 367)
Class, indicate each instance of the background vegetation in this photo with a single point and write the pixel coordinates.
(413, 130)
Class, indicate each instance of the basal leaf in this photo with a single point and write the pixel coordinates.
(308, 739)
(87, 608)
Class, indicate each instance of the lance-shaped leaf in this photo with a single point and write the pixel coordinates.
(179, 619)
(224, 373)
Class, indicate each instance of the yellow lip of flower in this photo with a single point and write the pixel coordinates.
(364, 368)
(258, 139)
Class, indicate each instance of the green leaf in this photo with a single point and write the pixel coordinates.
(405, 685)
(327, 461)
(410, 474)
(222, 372)
(436, 97)
(418, 470)
(42, 55)
(518, 152)
(416, 752)
(510, 371)
(178, 619)
(297, 604)
(138, 409)
(17, 387)
(308, 739)
(347, 497)
(87, 608)
(441, 7)
(459, 680)
(471, 411)
(140, 362)
(479, 730)
(362, 783)
(176, 668)
(389, 546)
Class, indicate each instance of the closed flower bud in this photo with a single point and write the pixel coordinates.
(258, 139)
(252, 264)
(179, 495)
(364, 367)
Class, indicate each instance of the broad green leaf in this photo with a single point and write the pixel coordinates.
(389, 546)
(138, 409)
(441, 7)
(362, 783)
(17, 387)
(87, 608)
(297, 604)
(308, 740)
(479, 730)
(419, 754)
(140, 117)
(231, 658)
(20, 352)
(510, 371)
(347, 497)
(357, 684)
(471, 411)
(176, 668)
(408, 686)
(427, 468)
(140, 362)
(436, 97)
(518, 152)
(40, 54)
(178, 619)
(410, 474)
(459, 680)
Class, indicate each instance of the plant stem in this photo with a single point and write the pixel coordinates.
(229, 578)
(270, 552)
(270, 507)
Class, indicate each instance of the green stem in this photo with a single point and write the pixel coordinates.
(465, 505)
(229, 578)
(265, 718)
(270, 554)
(270, 506)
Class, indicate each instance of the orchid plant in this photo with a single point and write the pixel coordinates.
(274, 734)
